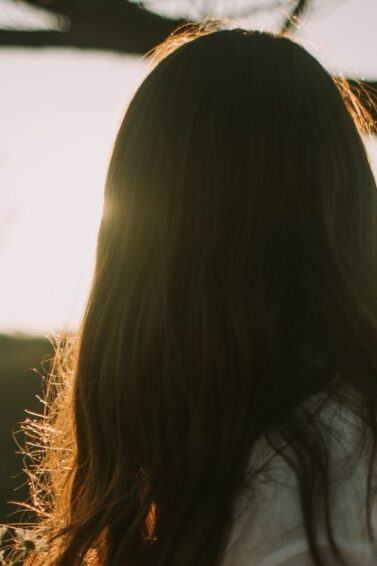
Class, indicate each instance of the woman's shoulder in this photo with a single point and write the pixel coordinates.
(268, 526)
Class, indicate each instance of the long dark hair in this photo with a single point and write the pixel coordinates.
(235, 277)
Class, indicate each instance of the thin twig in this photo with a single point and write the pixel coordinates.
(294, 16)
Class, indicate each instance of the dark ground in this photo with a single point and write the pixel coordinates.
(19, 385)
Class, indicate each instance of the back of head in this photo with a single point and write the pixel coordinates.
(239, 159)
(239, 236)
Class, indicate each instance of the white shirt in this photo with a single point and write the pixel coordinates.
(269, 531)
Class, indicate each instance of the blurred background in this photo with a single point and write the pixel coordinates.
(68, 70)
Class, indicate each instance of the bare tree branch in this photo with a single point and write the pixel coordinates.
(26, 38)
(109, 25)
(292, 19)
(124, 26)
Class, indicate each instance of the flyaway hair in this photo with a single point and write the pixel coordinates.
(235, 276)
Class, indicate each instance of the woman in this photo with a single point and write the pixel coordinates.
(227, 362)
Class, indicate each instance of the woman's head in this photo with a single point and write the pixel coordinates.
(239, 230)
(238, 192)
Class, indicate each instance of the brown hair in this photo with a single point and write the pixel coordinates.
(235, 276)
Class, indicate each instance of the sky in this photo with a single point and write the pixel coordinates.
(59, 112)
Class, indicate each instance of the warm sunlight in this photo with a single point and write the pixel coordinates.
(60, 112)
(229, 327)
(60, 125)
